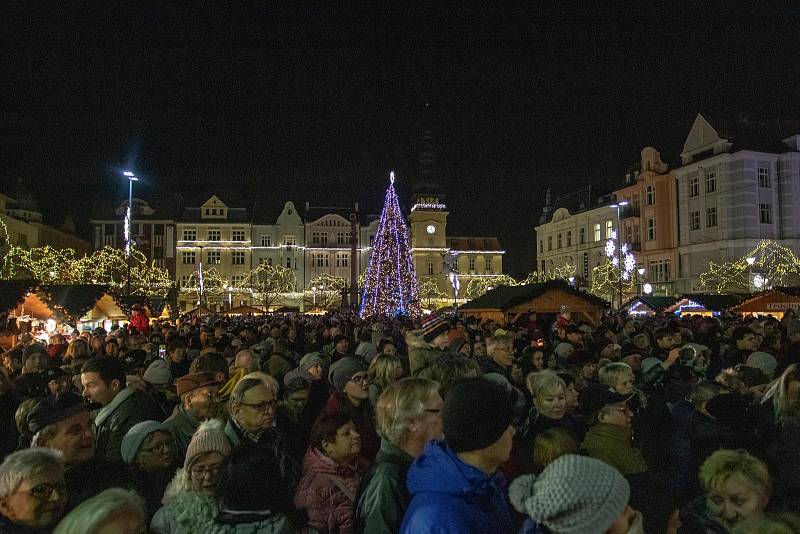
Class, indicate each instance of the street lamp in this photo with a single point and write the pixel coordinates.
(128, 224)
(750, 261)
(618, 206)
(640, 270)
(314, 293)
(200, 281)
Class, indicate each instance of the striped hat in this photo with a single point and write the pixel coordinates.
(433, 326)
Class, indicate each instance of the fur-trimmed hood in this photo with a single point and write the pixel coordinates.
(414, 340)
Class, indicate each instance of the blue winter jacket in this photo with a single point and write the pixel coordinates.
(452, 497)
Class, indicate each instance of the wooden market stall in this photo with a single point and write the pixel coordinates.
(773, 301)
(703, 304)
(244, 309)
(505, 304)
(648, 305)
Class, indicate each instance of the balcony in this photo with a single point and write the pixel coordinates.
(629, 211)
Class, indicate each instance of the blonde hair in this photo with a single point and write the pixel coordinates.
(90, 514)
(400, 403)
(778, 393)
(496, 341)
(725, 463)
(552, 444)
(612, 372)
(383, 369)
(541, 383)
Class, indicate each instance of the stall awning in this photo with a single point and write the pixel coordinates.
(773, 300)
(244, 310)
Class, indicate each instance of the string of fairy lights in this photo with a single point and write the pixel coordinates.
(768, 264)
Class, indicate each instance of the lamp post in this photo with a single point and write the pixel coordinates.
(314, 295)
(200, 282)
(640, 270)
(750, 261)
(128, 225)
(617, 206)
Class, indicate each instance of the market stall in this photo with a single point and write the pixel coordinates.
(244, 310)
(648, 305)
(703, 304)
(773, 301)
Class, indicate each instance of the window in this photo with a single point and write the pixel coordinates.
(315, 238)
(214, 235)
(694, 186)
(109, 229)
(342, 260)
(290, 240)
(185, 280)
(237, 257)
(342, 238)
(766, 213)
(288, 263)
(549, 243)
(190, 235)
(694, 223)
(488, 265)
(711, 182)
(541, 246)
(266, 240)
(659, 271)
(763, 177)
(214, 257)
(158, 253)
(609, 229)
(237, 235)
(188, 258)
(322, 260)
(268, 261)
(558, 241)
(582, 236)
(711, 217)
(430, 267)
(237, 280)
(597, 232)
(651, 228)
(650, 195)
(569, 238)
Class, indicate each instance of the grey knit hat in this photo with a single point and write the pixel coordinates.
(158, 373)
(135, 437)
(573, 495)
(310, 360)
(342, 371)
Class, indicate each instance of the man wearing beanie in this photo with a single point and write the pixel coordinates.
(576, 495)
(428, 343)
(455, 485)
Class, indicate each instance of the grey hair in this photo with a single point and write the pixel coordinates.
(254, 364)
(44, 435)
(401, 403)
(265, 379)
(91, 513)
(24, 464)
(243, 386)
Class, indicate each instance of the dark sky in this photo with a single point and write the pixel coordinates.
(286, 101)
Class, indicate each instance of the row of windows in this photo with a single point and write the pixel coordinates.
(323, 260)
(291, 263)
(190, 234)
(711, 219)
(762, 174)
(213, 257)
(581, 236)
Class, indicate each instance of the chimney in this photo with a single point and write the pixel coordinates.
(356, 206)
(307, 205)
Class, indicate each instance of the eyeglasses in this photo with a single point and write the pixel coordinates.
(432, 410)
(44, 491)
(199, 473)
(158, 447)
(262, 406)
(360, 379)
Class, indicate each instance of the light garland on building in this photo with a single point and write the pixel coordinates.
(391, 286)
(773, 265)
(479, 286)
(425, 206)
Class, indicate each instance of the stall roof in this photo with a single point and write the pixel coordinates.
(244, 310)
(654, 303)
(12, 293)
(73, 300)
(791, 292)
(711, 302)
(505, 297)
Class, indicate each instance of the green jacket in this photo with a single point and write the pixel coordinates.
(383, 496)
(613, 444)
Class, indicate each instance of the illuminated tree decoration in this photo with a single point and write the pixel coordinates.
(429, 292)
(563, 271)
(329, 290)
(390, 287)
(269, 282)
(773, 265)
(480, 285)
(213, 286)
(606, 278)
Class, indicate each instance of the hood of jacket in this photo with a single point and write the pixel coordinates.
(316, 462)
(415, 340)
(439, 470)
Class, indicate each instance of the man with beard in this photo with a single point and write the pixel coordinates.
(199, 402)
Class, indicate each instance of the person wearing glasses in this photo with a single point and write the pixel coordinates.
(610, 438)
(199, 402)
(188, 501)
(349, 379)
(148, 449)
(252, 420)
(32, 491)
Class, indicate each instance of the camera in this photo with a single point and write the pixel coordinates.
(687, 354)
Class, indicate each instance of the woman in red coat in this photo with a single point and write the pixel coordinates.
(139, 320)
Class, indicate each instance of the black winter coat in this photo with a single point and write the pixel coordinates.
(137, 407)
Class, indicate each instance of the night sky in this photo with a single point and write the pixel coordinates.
(318, 103)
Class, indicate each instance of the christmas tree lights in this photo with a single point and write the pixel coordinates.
(269, 282)
(390, 287)
(563, 271)
(772, 265)
(327, 290)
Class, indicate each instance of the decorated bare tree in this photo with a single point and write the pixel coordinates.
(328, 290)
(269, 283)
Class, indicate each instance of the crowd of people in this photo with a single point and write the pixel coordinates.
(443, 424)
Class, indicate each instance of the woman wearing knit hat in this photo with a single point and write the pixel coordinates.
(428, 343)
(148, 449)
(188, 500)
(351, 395)
(576, 495)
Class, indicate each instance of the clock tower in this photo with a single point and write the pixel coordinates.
(428, 220)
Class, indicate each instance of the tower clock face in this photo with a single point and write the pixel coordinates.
(431, 229)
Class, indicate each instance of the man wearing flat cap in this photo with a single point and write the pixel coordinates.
(199, 402)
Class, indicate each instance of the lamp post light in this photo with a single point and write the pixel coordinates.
(640, 270)
(200, 281)
(618, 206)
(750, 261)
(128, 225)
(314, 293)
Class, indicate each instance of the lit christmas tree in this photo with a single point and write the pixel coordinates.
(390, 285)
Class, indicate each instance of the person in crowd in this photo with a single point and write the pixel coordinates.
(576, 495)
(428, 343)
(249, 497)
(148, 449)
(455, 484)
(351, 395)
(551, 444)
(78, 350)
(366, 349)
(246, 359)
(450, 369)
(9, 437)
(332, 472)
(157, 380)
(111, 348)
(199, 402)
(610, 438)
(289, 412)
(64, 423)
(33, 494)
(736, 487)
(341, 348)
(114, 510)
(104, 382)
(770, 523)
(500, 350)
(744, 342)
(178, 362)
(408, 417)
(188, 501)
(383, 371)
(252, 420)
(56, 348)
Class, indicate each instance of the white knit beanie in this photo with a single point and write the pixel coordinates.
(573, 495)
(209, 437)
